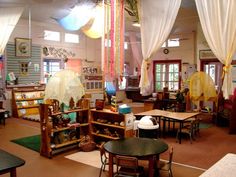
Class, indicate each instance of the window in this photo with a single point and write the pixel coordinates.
(171, 43)
(50, 67)
(51, 35)
(214, 68)
(167, 75)
(71, 38)
(108, 43)
(123, 80)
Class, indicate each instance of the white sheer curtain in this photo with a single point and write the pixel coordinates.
(136, 49)
(218, 21)
(8, 19)
(156, 19)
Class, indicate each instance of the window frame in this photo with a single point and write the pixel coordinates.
(167, 62)
(61, 65)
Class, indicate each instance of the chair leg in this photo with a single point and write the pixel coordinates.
(102, 169)
(170, 173)
(177, 136)
(100, 173)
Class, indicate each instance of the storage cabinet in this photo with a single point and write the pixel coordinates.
(25, 102)
(62, 130)
(107, 125)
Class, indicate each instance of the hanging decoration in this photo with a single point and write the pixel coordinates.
(78, 17)
(94, 28)
(113, 60)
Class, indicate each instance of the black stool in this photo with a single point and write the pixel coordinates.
(2, 116)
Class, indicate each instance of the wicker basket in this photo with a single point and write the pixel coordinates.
(87, 144)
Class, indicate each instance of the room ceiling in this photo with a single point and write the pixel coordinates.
(45, 10)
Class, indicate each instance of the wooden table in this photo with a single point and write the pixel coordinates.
(142, 148)
(176, 116)
(9, 163)
(224, 167)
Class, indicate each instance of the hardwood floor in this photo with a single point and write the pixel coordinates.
(58, 166)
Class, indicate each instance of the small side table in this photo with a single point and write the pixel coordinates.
(9, 163)
(2, 116)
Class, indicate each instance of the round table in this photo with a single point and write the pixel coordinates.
(141, 148)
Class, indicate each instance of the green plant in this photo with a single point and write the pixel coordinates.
(180, 97)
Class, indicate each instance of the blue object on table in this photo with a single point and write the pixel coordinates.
(124, 109)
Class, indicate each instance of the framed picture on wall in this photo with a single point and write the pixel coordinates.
(206, 54)
(23, 47)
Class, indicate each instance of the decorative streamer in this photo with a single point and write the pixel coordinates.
(112, 36)
(122, 36)
(114, 50)
(117, 40)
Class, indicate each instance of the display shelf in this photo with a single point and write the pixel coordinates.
(25, 101)
(107, 125)
(57, 134)
(105, 136)
(66, 144)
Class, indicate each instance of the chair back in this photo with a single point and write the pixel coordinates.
(127, 162)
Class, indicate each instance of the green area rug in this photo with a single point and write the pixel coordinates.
(31, 142)
(205, 125)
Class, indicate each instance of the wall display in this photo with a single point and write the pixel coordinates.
(206, 54)
(23, 47)
(57, 52)
(91, 70)
(24, 68)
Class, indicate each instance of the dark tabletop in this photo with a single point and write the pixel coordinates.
(9, 161)
(137, 147)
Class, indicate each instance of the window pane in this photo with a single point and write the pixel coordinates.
(171, 77)
(164, 68)
(173, 42)
(171, 68)
(51, 35)
(50, 68)
(176, 68)
(125, 45)
(158, 76)
(176, 76)
(158, 68)
(175, 86)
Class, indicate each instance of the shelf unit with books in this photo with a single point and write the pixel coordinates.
(25, 102)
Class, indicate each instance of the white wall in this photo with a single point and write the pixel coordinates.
(37, 32)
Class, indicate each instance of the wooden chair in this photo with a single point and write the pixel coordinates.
(104, 159)
(187, 129)
(166, 165)
(128, 166)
